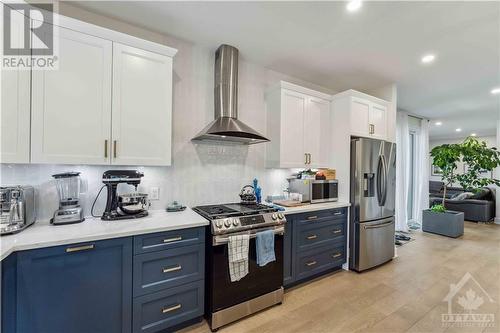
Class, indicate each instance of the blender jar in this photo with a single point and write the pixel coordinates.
(68, 187)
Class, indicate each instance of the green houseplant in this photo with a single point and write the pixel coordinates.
(479, 158)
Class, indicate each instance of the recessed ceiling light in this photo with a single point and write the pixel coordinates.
(438, 123)
(428, 58)
(495, 91)
(473, 134)
(353, 5)
(458, 130)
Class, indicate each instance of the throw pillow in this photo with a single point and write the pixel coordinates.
(481, 194)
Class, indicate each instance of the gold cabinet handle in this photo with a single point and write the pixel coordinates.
(337, 231)
(310, 157)
(172, 269)
(314, 217)
(106, 148)
(114, 148)
(305, 154)
(311, 263)
(170, 309)
(312, 237)
(80, 248)
(337, 213)
(174, 239)
(336, 255)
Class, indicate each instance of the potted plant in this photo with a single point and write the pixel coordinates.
(446, 157)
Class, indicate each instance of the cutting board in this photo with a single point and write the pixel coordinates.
(289, 203)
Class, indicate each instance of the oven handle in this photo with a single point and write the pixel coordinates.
(220, 240)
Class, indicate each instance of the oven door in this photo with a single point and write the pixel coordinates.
(324, 190)
(259, 281)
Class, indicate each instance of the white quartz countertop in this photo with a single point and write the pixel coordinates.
(314, 207)
(43, 234)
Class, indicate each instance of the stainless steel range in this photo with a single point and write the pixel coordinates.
(262, 287)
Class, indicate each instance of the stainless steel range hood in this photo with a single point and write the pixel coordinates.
(226, 126)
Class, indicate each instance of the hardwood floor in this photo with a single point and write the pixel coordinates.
(405, 295)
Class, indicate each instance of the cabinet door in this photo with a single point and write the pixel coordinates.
(360, 110)
(71, 117)
(142, 107)
(317, 131)
(378, 118)
(293, 106)
(77, 288)
(15, 112)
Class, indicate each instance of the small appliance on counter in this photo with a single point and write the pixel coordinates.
(68, 188)
(17, 208)
(128, 205)
(315, 191)
(175, 207)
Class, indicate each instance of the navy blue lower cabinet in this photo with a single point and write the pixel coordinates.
(315, 243)
(288, 253)
(78, 288)
(9, 282)
(161, 310)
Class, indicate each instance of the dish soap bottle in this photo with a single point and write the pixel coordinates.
(258, 190)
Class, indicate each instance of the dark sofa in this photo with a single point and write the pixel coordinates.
(478, 208)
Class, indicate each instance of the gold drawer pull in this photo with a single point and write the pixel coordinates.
(311, 263)
(80, 248)
(314, 217)
(312, 237)
(172, 269)
(336, 255)
(337, 231)
(172, 308)
(170, 240)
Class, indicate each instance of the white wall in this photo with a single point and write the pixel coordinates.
(491, 141)
(200, 174)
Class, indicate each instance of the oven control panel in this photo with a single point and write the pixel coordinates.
(242, 223)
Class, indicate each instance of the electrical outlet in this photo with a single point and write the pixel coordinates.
(154, 193)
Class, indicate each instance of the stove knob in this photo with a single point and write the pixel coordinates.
(227, 223)
(274, 216)
(236, 222)
(281, 216)
(218, 224)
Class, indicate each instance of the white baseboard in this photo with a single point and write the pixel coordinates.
(497, 220)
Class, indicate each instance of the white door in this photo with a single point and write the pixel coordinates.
(293, 106)
(15, 112)
(378, 119)
(142, 107)
(317, 132)
(360, 110)
(71, 116)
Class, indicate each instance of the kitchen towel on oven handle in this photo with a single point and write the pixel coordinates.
(238, 256)
(264, 246)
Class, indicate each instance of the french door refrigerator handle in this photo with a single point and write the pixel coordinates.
(385, 171)
(379, 180)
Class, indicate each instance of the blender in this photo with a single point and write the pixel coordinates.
(68, 188)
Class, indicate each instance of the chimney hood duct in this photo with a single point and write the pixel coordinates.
(226, 126)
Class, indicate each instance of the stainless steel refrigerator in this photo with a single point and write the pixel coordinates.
(373, 184)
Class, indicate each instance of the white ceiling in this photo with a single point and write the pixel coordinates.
(382, 43)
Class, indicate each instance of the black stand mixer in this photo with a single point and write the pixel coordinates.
(124, 206)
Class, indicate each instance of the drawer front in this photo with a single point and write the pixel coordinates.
(313, 262)
(318, 234)
(168, 240)
(322, 215)
(159, 311)
(165, 269)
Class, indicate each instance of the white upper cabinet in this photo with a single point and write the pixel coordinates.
(71, 106)
(108, 102)
(368, 115)
(298, 127)
(15, 111)
(142, 107)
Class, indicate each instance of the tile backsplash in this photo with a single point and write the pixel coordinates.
(216, 174)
